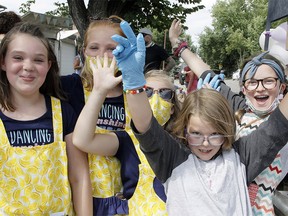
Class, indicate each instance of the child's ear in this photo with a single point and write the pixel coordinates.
(49, 65)
(282, 88)
(243, 90)
(3, 66)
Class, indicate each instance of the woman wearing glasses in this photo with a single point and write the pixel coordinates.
(142, 193)
(210, 175)
(262, 80)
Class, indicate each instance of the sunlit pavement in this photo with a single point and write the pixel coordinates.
(233, 84)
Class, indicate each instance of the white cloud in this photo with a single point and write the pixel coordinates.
(40, 6)
(196, 22)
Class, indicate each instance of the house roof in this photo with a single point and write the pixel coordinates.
(48, 20)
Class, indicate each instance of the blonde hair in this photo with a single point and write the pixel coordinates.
(168, 81)
(86, 74)
(210, 106)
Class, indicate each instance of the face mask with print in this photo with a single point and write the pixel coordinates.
(272, 107)
(87, 63)
(161, 109)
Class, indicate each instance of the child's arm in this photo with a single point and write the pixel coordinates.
(79, 178)
(130, 55)
(283, 106)
(161, 150)
(202, 70)
(258, 149)
(84, 136)
(196, 64)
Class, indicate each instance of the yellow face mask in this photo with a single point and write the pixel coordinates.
(161, 109)
(87, 64)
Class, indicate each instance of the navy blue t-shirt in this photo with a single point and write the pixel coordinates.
(130, 161)
(38, 131)
(112, 114)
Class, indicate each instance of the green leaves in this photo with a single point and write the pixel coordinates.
(25, 7)
(237, 25)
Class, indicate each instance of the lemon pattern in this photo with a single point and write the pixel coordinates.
(144, 200)
(106, 179)
(105, 171)
(34, 180)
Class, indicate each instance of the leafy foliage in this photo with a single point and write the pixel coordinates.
(25, 7)
(141, 13)
(61, 10)
(237, 25)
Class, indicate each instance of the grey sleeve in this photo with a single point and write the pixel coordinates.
(259, 149)
(235, 100)
(162, 151)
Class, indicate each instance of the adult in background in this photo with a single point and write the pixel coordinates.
(155, 54)
(78, 62)
(191, 79)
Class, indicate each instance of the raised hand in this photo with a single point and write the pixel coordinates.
(130, 56)
(104, 73)
(175, 31)
(206, 83)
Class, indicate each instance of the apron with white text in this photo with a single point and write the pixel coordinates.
(105, 171)
(34, 180)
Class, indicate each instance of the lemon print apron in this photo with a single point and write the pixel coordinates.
(105, 171)
(145, 201)
(34, 180)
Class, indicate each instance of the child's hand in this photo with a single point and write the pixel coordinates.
(130, 56)
(175, 31)
(206, 83)
(103, 73)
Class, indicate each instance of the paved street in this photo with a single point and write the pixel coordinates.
(234, 84)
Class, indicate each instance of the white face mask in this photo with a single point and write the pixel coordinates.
(270, 109)
(161, 109)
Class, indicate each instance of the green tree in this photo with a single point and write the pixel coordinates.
(237, 25)
(141, 13)
(25, 7)
(155, 13)
(61, 10)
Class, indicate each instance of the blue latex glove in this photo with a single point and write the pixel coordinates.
(214, 83)
(130, 56)
(222, 76)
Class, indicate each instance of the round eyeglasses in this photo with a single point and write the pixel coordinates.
(164, 93)
(268, 83)
(196, 139)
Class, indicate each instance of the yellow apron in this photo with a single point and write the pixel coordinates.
(145, 201)
(105, 171)
(34, 180)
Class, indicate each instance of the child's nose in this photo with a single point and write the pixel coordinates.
(27, 65)
(205, 142)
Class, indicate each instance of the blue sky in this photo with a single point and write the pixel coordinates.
(196, 22)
